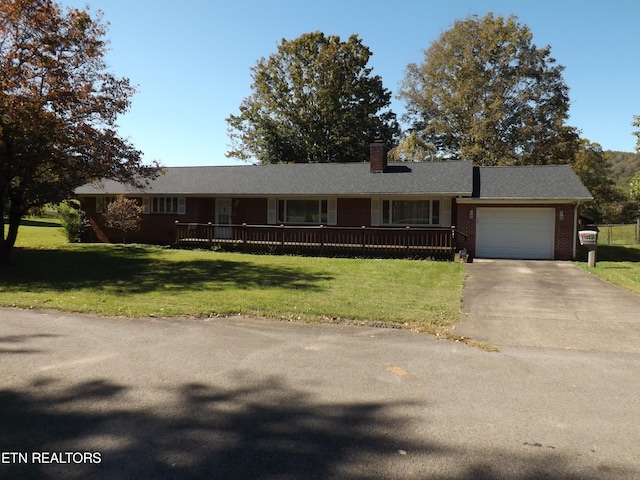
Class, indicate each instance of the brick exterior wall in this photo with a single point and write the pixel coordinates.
(160, 228)
(157, 228)
(354, 212)
(200, 210)
(564, 234)
(252, 211)
(466, 226)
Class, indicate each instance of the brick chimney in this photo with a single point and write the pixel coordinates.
(378, 156)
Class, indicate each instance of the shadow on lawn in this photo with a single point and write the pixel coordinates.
(131, 269)
(607, 253)
(40, 223)
(259, 429)
(611, 253)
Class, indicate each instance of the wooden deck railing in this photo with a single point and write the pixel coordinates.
(411, 242)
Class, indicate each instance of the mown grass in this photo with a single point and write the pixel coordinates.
(140, 280)
(623, 235)
(36, 233)
(617, 257)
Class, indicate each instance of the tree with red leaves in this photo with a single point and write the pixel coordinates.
(58, 110)
(123, 214)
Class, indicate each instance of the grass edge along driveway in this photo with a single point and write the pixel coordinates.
(617, 257)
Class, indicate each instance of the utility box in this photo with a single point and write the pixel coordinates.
(588, 237)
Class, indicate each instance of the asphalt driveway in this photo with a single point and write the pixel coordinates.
(548, 304)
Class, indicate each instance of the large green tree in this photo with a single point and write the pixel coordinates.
(485, 92)
(635, 181)
(58, 110)
(593, 166)
(314, 100)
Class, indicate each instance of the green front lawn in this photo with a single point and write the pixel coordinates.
(139, 280)
(617, 257)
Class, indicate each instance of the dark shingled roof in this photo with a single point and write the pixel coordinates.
(446, 178)
(552, 182)
(452, 178)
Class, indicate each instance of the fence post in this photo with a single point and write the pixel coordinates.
(406, 239)
(282, 237)
(452, 239)
(177, 233)
(364, 243)
(210, 234)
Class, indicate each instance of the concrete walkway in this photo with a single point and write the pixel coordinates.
(548, 304)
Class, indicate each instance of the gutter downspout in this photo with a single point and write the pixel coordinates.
(575, 229)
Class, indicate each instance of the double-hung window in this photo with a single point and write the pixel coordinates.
(102, 202)
(164, 205)
(303, 211)
(175, 205)
(411, 212)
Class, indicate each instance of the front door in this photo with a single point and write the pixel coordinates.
(223, 217)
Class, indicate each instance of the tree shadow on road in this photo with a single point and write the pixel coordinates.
(12, 341)
(261, 429)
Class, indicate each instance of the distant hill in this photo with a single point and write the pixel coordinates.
(624, 166)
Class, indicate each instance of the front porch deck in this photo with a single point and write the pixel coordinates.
(407, 242)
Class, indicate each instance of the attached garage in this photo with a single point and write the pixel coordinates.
(523, 233)
(526, 212)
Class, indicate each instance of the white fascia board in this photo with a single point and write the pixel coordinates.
(498, 201)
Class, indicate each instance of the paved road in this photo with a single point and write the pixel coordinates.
(248, 399)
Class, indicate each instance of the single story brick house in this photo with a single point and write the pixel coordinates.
(527, 212)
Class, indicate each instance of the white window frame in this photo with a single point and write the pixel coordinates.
(278, 210)
(386, 211)
(103, 201)
(157, 205)
(322, 211)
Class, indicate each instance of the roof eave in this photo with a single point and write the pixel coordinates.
(540, 200)
(278, 194)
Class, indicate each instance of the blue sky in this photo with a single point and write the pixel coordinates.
(191, 59)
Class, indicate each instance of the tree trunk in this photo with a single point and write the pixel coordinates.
(6, 244)
(4, 253)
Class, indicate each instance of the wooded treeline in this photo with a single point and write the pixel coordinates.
(623, 167)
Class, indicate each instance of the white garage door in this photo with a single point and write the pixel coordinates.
(527, 233)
